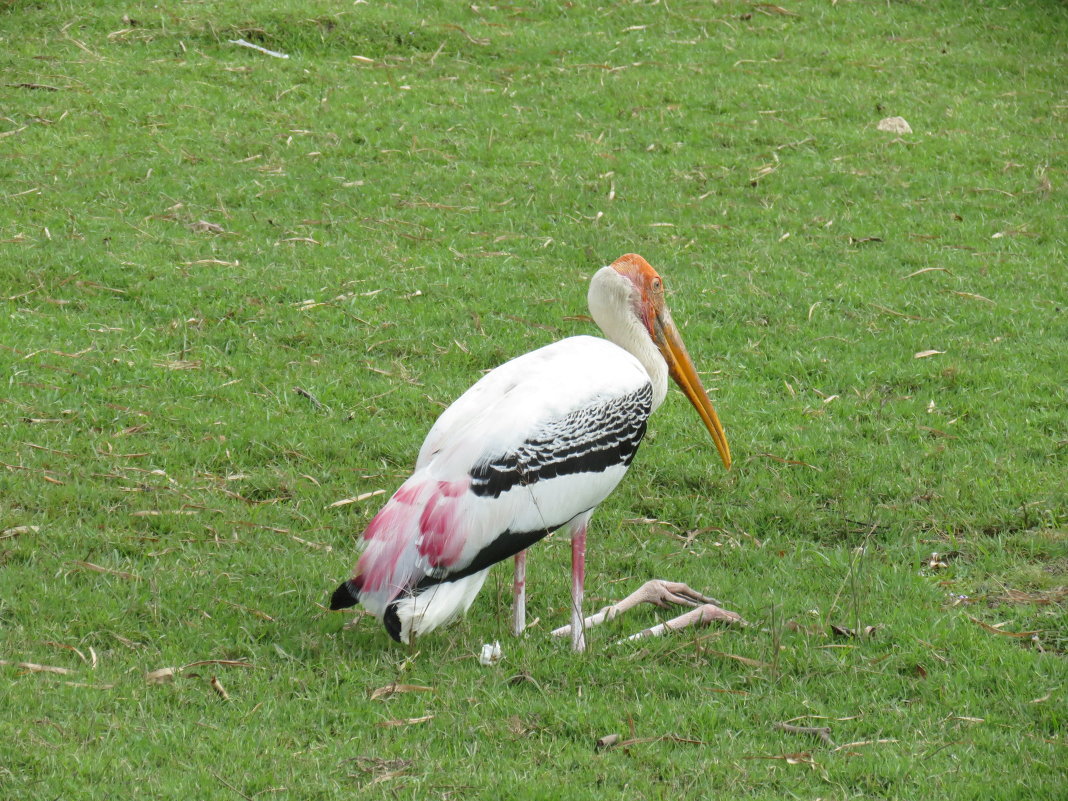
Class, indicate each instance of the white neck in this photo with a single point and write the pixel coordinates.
(612, 300)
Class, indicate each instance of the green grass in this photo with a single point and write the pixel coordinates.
(382, 230)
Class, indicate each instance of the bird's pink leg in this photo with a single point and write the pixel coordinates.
(578, 586)
(519, 589)
(661, 593)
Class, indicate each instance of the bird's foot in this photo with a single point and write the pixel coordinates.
(663, 594)
(704, 615)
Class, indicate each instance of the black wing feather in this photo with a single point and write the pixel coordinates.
(588, 440)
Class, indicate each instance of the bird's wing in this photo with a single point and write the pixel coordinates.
(536, 442)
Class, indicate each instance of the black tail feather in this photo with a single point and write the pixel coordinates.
(392, 622)
(343, 597)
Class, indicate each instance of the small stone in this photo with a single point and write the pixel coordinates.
(897, 125)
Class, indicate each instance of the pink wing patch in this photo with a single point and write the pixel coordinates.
(420, 523)
(383, 522)
(409, 492)
(440, 542)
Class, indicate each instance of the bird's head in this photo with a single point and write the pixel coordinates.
(631, 286)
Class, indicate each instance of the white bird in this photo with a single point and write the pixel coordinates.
(535, 445)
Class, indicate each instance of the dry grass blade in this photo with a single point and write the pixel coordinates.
(33, 667)
(106, 570)
(389, 724)
(180, 364)
(219, 689)
(771, 8)
(745, 660)
(318, 404)
(616, 741)
(1054, 595)
(523, 678)
(319, 546)
(860, 743)
(396, 689)
(926, 270)
(227, 784)
(378, 764)
(219, 262)
(382, 769)
(89, 686)
(792, 462)
(258, 48)
(357, 499)
(822, 732)
(225, 662)
(664, 738)
(42, 86)
(885, 310)
(996, 630)
(72, 648)
(15, 531)
(167, 674)
(476, 40)
(799, 758)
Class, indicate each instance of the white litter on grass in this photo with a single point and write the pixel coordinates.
(256, 47)
(491, 654)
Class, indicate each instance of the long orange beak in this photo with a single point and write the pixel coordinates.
(681, 369)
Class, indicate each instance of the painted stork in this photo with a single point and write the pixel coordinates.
(535, 445)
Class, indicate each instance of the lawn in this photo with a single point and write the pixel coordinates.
(238, 289)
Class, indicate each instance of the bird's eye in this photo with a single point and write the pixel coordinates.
(656, 284)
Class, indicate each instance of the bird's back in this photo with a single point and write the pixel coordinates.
(529, 392)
